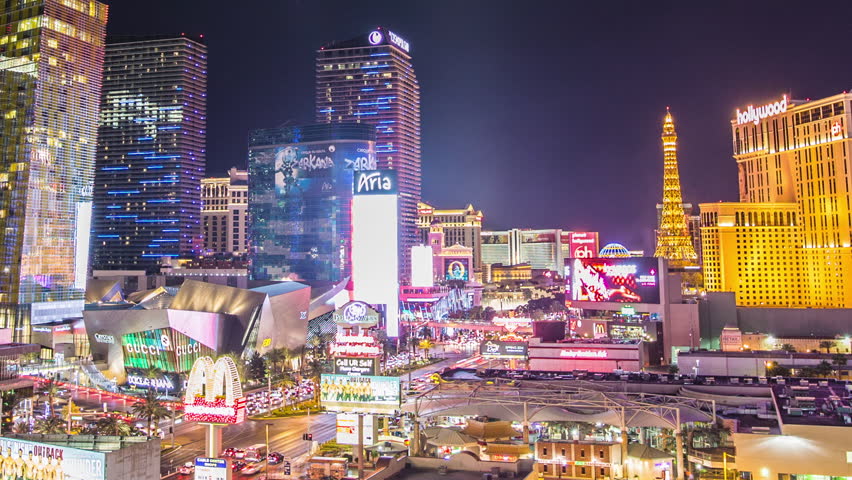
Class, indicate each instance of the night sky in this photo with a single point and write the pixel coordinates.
(541, 114)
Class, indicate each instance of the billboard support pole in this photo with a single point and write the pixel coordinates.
(213, 439)
(360, 446)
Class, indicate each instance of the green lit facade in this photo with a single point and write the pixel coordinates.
(51, 55)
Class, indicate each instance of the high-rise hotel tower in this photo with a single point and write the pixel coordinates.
(51, 54)
(794, 161)
(370, 79)
(151, 152)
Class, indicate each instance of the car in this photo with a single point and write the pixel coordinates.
(228, 452)
(239, 453)
(275, 458)
(238, 466)
(251, 469)
(186, 469)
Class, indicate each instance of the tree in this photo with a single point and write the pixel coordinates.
(839, 360)
(788, 348)
(51, 425)
(256, 367)
(823, 369)
(673, 369)
(775, 370)
(426, 345)
(827, 345)
(488, 314)
(153, 373)
(151, 409)
(112, 426)
(275, 357)
(49, 389)
(10, 400)
(807, 372)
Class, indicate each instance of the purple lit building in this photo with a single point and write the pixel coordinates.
(370, 79)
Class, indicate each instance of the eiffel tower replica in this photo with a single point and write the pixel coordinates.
(673, 240)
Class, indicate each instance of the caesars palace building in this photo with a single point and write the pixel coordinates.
(787, 243)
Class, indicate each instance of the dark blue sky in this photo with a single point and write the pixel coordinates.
(542, 114)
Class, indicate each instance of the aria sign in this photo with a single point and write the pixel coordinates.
(214, 393)
(755, 115)
(378, 182)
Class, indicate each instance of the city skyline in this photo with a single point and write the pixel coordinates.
(508, 88)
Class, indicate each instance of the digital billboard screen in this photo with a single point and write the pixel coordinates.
(51, 461)
(624, 280)
(457, 269)
(503, 349)
(356, 366)
(361, 394)
(163, 348)
(583, 245)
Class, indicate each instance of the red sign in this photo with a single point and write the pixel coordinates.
(584, 245)
(215, 411)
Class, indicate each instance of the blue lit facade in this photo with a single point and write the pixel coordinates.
(370, 79)
(151, 153)
(300, 199)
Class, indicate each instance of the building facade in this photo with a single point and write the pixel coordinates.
(151, 153)
(794, 151)
(370, 79)
(755, 250)
(543, 249)
(50, 77)
(463, 227)
(224, 213)
(300, 199)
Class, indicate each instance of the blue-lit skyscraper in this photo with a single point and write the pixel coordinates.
(370, 79)
(300, 199)
(151, 152)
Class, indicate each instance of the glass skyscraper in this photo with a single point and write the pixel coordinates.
(51, 54)
(151, 152)
(370, 79)
(300, 199)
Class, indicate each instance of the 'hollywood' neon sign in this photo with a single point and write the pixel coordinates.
(755, 115)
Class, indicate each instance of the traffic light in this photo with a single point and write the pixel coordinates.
(308, 437)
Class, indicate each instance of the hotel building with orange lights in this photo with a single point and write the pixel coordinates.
(793, 163)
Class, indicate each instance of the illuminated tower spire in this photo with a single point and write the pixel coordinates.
(673, 240)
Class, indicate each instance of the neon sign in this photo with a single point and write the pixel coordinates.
(375, 37)
(379, 182)
(583, 353)
(755, 115)
(398, 41)
(104, 338)
(214, 393)
(836, 129)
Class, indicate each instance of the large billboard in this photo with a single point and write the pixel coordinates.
(166, 382)
(624, 280)
(164, 348)
(41, 460)
(503, 349)
(457, 269)
(309, 168)
(362, 394)
(583, 245)
(356, 366)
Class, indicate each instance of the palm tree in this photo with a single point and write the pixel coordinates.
(276, 356)
(49, 389)
(152, 373)
(54, 424)
(10, 400)
(838, 360)
(426, 345)
(112, 426)
(827, 345)
(151, 409)
(823, 369)
(788, 348)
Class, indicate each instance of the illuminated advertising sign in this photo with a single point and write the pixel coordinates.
(379, 182)
(495, 239)
(625, 280)
(167, 382)
(422, 266)
(375, 37)
(362, 394)
(309, 168)
(347, 429)
(503, 349)
(583, 353)
(755, 115)
(164, 348)
(375, 246)
(538, 238)
(583, 245)
(26, 459)
(212, 469)
(457, 269)
(104, 338)
(356, 366)
(398, 41)
(355, 346)
(214, 393)
(356, 313)
(623, 331)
